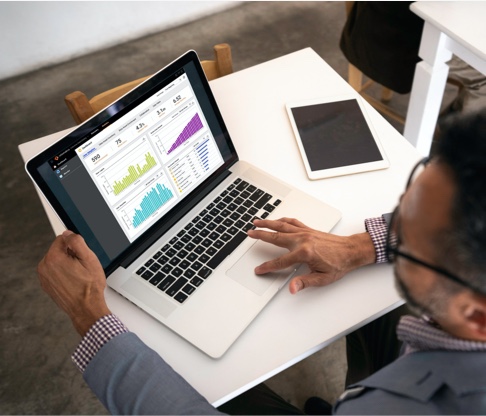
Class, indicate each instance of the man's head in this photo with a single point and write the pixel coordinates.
(442, 222)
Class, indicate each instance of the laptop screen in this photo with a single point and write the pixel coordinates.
(128, 171)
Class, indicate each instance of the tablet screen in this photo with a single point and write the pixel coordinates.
(335, 134)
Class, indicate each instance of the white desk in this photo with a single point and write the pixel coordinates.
(291, 327)
(455, 27)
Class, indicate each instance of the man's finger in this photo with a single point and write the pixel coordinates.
(76, 246)
(278, 263)
(274, 237)
(283, 225)
(299, 283)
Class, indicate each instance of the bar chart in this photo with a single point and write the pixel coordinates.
(142, 207)
(191, 128)
(134, 172)
(176, 134)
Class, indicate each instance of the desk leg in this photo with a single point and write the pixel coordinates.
(428, 89)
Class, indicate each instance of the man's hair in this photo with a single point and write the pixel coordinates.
(462, 147)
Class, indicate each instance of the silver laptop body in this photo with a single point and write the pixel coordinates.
(154, 185)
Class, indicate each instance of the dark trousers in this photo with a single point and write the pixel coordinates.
(368, 349)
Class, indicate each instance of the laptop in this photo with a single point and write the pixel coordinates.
(154, 185)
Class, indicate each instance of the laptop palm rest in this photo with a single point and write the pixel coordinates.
(152, 299)
(243, 270)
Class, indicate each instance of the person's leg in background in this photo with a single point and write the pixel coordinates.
(373, 346)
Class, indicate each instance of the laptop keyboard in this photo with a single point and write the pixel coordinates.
(183, 264)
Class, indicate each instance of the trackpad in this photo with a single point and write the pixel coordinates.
(243, 270)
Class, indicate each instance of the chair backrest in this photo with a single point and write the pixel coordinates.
(82, 108)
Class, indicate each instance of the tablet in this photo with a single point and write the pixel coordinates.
(335, 137)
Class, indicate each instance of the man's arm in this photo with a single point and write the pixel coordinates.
(126, 375)
(328, 256)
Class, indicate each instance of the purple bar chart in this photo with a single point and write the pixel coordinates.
(194, 125)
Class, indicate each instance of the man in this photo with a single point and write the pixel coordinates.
(436, 239)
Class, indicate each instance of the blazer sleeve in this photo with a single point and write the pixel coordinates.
(130, 378)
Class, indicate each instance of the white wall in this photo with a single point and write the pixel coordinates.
(36, 34)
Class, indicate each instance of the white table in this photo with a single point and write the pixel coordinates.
(290, 328)
(455, 27)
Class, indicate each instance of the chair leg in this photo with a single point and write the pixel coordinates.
(386, 94)
(355, 77)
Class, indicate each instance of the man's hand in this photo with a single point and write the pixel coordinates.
(71, 274)
(328, 256)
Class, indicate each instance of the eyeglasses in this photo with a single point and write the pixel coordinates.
(393, 240)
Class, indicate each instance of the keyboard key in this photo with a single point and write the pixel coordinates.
(240, 224)
(166, 283)
(227, 250)
(226, 237)
(263, 200)
(182, 254)
(218, 244)
(188, 289)
(184, 264)
(204, 272)
(255, 196)
(191, 257)
(180, 297)
(149, 263)
(207, 242)
(177, 272)
(269, 208)
(232, 230)
(174, 261)
(242, 185)
(140, 271)
(211, 251)
(166, 269)
(147, 274)
(199, 250)
(179, 283)
(157, 255)
(155, 267)
(196, 265)
(203, 258)
(189, 273)
(190, 246)
(227, 222)
(196, 281)
(178, 245)
(157, 278)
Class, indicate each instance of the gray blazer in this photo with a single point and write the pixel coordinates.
(432, 382)
(130, 378)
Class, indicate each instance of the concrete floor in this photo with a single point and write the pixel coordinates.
(36, 374)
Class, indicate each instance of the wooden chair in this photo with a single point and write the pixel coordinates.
(82, 108)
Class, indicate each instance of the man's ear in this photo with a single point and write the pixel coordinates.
(474, 315)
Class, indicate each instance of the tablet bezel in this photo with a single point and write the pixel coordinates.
(341, 170)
